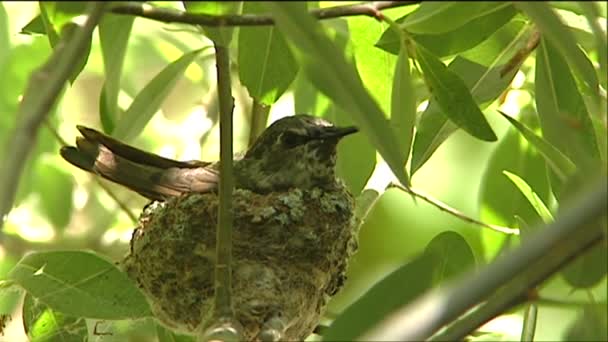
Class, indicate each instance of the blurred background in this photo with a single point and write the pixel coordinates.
(61, 207)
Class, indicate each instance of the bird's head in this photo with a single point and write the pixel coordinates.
(296, 151)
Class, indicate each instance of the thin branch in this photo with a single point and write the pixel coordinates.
(223, 269)
(454, 212)
(506, 280)
(41, 93)
(168, 15)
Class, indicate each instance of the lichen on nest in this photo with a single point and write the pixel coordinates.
(290, 252)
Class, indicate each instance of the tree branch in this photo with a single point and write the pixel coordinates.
(505, 281)
(167, 15)
(41, 93)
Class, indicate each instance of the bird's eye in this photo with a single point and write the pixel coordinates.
(291, 139)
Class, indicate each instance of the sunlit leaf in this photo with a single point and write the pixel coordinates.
(328, 69)
(149, 99)
(220, 35)
(114, 33)
(403, 100)
(564, 118)
(80, 284)
(443, 16)
(42, 323)
(55, 187)
(535, 201)
(501, 203)
(557, 33)
(266, 65)
(558, 162)
(462, 38)
(453, 96)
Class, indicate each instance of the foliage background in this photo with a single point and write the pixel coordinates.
(59, 207)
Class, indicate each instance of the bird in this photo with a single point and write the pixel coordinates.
(294, 227)
(293, 152)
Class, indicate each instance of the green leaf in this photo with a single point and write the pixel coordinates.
(356, 158)
(535, 201)
(501, 203)
(403, 101)
(449, 43)
(588, 269)
(453, 256)
(80, 284)
(485, 84)
(5, 42)
(564, 118)
(35, 26)
(148, 101)
(328, 69)
(55, 187)
(558, 34)
(593, 13)
(114, 33)
(556, 160)
(444, 16)
(453, 97)
(375, 67)
(266, 65)
(41, 323)
(220, 35)
(396, 290)
(590, 325)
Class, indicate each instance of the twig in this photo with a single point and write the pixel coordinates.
(444, 207)
(511, 275)
(168, 15)
(223, 281)
(42, 90)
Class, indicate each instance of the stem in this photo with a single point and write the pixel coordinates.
(223, 281)
(444, 207)
(259, 118)
(40, 95)
(167, 15)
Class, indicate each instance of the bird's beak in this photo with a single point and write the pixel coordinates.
(336, 132)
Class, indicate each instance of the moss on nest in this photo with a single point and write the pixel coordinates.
(290, 252)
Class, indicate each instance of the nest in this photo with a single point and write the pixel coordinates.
(290, 252)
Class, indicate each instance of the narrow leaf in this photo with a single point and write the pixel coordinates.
(114, 33)
(564, 118)
(453, 256)
(409, 281)
(486, 83)
(266, 65)
(559, 35)
(328, 69)
(148, 101)
(558, 162)
(453, 96)
(449, 43)
(80, 284)
(443, 16)
(531, 196)
(403, 101)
